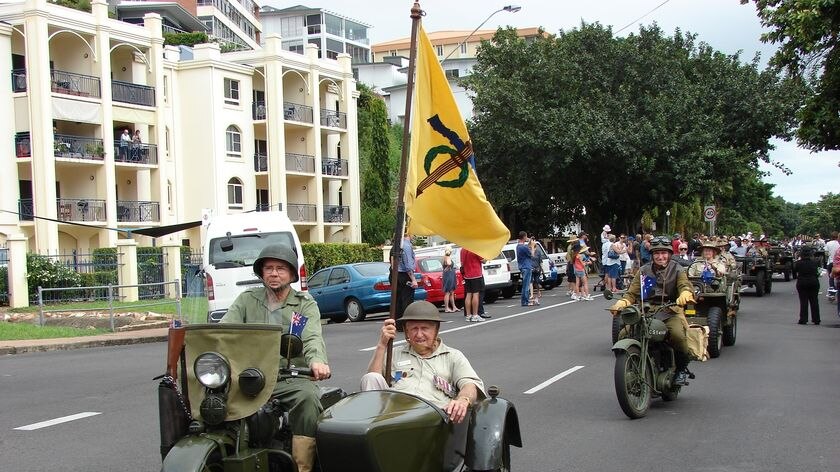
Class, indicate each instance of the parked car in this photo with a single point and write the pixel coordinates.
(497, 274)
(353, 291)
(431, 279)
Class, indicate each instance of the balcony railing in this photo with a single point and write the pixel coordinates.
(258, 110)
(260, 162)
(135, 153)
(138, 211)
(296, 112)
(300, 163)
(26, 209)
(69, 83)
(18, 80)
(333, 119)
(78, 147)
(23, 147)
(302, 212)
(166, 29)
(336, 214)
(336, 167)
(81, 209)
(136, 94)
(268, 207)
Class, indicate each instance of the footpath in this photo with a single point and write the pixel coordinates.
(101, 340)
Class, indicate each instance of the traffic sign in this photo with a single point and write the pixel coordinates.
(709, 213)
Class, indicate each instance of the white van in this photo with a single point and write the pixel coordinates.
(231, 245)
(509, 250)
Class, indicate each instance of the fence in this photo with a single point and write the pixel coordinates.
(151, 267)
(4, 276)
(73, 274)
(112, 296)
(193, 279)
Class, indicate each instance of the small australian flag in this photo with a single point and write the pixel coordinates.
(648, 286)
(298, 323)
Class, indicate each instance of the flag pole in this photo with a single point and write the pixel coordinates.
(399, 225)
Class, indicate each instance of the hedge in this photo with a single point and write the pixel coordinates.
(320, 255)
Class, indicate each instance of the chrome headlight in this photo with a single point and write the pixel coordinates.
(212, 370)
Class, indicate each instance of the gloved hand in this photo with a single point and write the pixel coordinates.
(618, 306)
(685, 298)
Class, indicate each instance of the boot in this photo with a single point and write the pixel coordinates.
(303, 452)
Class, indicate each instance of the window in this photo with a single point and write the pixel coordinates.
(234, 140)
(439, 50)
(339, 276)
(318, 280)
(392, 52)
(232, 91)
(234, 188)
(451, 73)
(165, 89)
(464, 48)
(169, 195)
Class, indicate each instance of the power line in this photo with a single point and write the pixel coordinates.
(641, 17)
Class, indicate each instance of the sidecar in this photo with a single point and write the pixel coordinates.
(388, 431)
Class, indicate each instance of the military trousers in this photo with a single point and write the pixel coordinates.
(302, 399)
(678, 335)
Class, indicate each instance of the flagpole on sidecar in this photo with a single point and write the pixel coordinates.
(399, 225)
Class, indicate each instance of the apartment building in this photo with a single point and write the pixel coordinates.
(261, 129)
(332, 32)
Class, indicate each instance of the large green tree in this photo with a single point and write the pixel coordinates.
(375, 167)
(808, 35)
(618, 127)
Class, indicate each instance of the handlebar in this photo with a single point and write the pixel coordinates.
(296, 372)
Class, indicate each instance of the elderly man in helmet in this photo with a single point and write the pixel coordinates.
(424, 366)
(672, 285)
(275, 303)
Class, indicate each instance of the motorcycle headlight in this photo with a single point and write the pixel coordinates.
(212, 370)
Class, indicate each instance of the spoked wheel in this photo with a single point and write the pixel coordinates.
(730, 331)
(713, 319)
(671, 394)
(632, 386)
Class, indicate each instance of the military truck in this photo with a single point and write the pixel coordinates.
(757, 271)
(782, 260)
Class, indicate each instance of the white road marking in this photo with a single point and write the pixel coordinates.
(485, 322)
(553, 379)
(53, 422)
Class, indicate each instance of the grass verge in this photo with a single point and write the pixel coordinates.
(17, 331)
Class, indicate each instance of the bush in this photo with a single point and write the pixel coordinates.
(320, 255)
(48, 273)
(185, 39)
(4, 284)
(150, 270)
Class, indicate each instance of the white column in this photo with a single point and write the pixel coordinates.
(9, 194)
(315, 90)
(127, 269)
(350, 190)
(274, 128)
(18, 286)
(106, 182)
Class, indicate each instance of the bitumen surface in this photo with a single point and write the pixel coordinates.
(62, 344)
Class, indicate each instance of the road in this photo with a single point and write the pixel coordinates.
(764, 405)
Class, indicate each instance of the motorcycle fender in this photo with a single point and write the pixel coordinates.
(624, 344)
(494, 421)
(189, 454)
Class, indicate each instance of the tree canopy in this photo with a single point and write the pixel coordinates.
(597, 128)
(375, 167)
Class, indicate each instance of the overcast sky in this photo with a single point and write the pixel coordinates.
(725, 24)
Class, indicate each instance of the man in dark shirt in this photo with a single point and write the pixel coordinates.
(523, 260)
(808, 285)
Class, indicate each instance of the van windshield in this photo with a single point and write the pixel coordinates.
(246, 248)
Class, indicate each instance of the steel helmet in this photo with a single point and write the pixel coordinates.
(280, 252)
(661, 243)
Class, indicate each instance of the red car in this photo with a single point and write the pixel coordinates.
(431, 270)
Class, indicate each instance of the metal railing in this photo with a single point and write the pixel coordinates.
(136, 94)
(296, 112)
(260, 162)
(26, 209)
(258, 110)
(336, 167)
(81, 209)
(300, 163)
(302, 212)
(69, 83)
(78, 147)
(22, 145)
(268, 206)
(138, 211)
(135, 153)
(18, 80)
(336, 214)
(166, 29)
(333, 119)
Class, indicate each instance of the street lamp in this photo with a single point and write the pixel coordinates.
(510, 8)
(667, 221)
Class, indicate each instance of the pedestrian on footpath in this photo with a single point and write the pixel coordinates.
(473, 283)
(582, 263)
(831, 250)
(536, 273)
(450, 283)
(523, 260)
(571, 252)
(406, 282)
(808, 285)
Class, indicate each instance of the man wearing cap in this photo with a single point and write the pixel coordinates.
(672, 286)
(425, 366)
(275, 303)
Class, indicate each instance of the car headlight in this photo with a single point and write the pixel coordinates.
(212, 370)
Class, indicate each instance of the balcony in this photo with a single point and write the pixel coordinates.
(78, 147)
(258, 110)
(336, 214)
(134, 211)
(131, 153)
(81, 209)
(302, 213)
(69, 83)
(126, 92)
(268, 207)
(18, 80)
(260, 162)
(300, 163)
(333, 119)
(26, 209)
(22, 145)
(295, 112)
(336, 167)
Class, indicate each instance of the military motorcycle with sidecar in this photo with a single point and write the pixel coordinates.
(717, 301)
(217, 414)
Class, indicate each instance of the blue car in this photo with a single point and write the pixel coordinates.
(354, 290)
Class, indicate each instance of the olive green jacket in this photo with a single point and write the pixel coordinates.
(682, 284)
(251, 307)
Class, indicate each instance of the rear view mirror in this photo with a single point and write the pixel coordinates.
(227, 244)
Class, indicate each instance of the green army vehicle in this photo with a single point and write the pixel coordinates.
(757, 271)
(782, 260)
(716, 305)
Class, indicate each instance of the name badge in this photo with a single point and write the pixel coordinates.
(403, 363)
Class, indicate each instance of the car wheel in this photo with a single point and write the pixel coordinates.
(491, 296)
(354, 310)
(508, 292)
(338, 318)
(713, 320)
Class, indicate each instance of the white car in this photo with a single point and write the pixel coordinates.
(551, 277)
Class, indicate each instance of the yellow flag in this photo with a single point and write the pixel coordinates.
(443, 195)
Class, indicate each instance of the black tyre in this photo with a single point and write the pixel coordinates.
(632, 386)
(713, 320)
(730, 331)
(616, 328)
(354, 310)
(508, 292)
(671, 395)
(760, 286)
(491, 296)
(768, 287)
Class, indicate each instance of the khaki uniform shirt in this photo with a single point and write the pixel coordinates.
(696, 268)
(417, 374)
(251, 306)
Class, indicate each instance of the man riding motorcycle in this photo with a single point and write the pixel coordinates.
(672, 285)
(276, 302)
